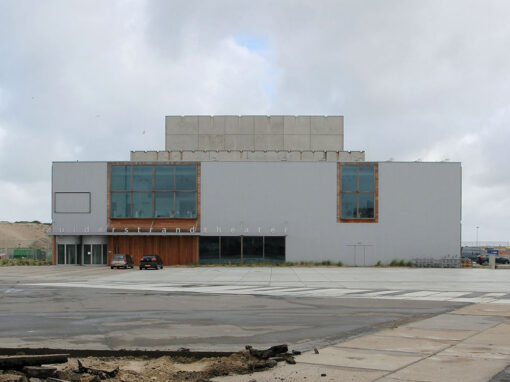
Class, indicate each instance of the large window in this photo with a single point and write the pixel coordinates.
(357, 193)
(241, 250)
(85, 254)
(153, 191)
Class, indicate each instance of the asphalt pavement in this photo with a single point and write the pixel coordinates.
(348, 313)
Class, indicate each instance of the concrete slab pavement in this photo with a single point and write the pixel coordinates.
(469, 344)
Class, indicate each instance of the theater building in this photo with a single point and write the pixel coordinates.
(255, 189)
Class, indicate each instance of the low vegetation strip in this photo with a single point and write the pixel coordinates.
(14, 262)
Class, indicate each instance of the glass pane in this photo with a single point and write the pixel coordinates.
(78, 255)
(121, 205)
(142, 178)
(349, 178)
(274, 249)
(230, 249)
(120, 178)
(164, 178)
(105, 254)
(252, 249)
(366, 205)
(97, 254)
(366, 178)
(142, 204)
(61, 259)
(70, 254)
(186, 178)
(164, 204)
(87, 254)
(209, 250)
(348, 206)
(186, 204)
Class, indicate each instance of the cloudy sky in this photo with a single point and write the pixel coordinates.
(415, 80)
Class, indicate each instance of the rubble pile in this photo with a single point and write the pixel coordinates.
(185, 367)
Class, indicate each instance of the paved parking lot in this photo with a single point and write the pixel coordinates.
(395, 322)
(460, 285)
(208, 308)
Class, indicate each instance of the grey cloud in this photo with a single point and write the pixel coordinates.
(83, 79)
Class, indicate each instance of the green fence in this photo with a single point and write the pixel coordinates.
(31, 254)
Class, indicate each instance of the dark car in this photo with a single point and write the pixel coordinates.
(472, 253)
(121, 261)
(151, 262)
(484, 259)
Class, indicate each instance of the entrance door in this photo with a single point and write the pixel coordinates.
(362, 254)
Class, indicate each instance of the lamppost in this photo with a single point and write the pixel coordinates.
(477, 235)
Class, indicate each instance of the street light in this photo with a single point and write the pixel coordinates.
(477, 235)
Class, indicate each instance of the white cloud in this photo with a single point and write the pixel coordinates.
(84, 79)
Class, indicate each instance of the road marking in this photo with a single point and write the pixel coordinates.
(427, 295)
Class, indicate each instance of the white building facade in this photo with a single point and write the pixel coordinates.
(255, 189)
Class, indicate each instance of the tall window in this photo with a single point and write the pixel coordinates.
(158, 191)
(357, 193)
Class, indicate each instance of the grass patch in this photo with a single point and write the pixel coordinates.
(326, 263)
(400, 263)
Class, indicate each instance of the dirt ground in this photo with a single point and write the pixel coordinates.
(133, 369)
(24, 235)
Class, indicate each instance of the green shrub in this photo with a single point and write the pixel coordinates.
(400, 263)
(340, 264)
(378, 263)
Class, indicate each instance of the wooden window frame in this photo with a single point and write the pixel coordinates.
(153, 191)
(146, 224)
(339, 218)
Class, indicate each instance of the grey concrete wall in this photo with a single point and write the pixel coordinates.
(254, 132)
(256, 156)
(419, 209)
(88, 177)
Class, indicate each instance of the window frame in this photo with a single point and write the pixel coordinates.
(153, 191)
(339, 193)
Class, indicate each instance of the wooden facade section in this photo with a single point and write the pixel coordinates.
(173, 250)
(54, 250)
(339, 218)
(154, 225)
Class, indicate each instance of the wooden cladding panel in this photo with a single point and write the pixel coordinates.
(156, 224)
(173, 250)
(54, 250)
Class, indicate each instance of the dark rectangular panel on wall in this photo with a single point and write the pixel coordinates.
(173, 250)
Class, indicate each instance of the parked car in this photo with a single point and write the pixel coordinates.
(151, 261)
(484, 259)
(121, 261)
(472, 253)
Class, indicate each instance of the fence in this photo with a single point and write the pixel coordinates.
(26, 253)
(485, 244)
(445, 262)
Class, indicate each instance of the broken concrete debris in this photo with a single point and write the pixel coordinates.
(102, 374)
(17, 362)
(274, 353)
